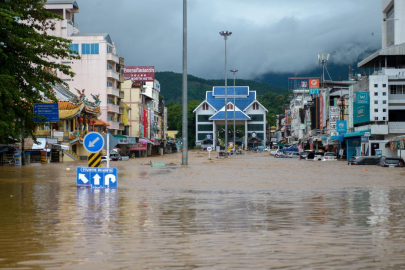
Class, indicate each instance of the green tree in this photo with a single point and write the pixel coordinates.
(175, 116)
(26, 59)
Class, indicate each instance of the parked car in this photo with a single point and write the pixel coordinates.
(104, 159)
(329, 156)
(293, 155)
(115, 157)
(303, 155)
(365, 161)
(277, 154)
(274, 151)
(391, 162)
(314, 156)
(349, 162)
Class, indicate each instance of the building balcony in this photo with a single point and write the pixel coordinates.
(122, 94)
(396, 127)
(113, 74)
(113, 57)
(121, 126)
(113, 108)
(122, 110)
(113, 125)
(113, 91)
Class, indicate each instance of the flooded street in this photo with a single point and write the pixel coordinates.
(246, 212)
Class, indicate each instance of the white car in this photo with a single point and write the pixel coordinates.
(329, 157)
(104, 159)
(274, 152)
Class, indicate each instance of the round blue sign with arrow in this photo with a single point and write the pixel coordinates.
(93, 142)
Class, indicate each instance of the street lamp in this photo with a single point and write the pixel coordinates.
(234, 117)
(225, 34)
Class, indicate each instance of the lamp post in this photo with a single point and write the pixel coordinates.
(225, 34)
(234, 116)
(184, 160)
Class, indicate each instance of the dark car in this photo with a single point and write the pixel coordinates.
(314, 156)
(349, 162)
(303, 155)
(391, 162)
(365, 161)
(115, 157)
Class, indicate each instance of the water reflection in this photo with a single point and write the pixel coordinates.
(51, 224)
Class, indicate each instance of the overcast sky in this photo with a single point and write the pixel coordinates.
(268, 35)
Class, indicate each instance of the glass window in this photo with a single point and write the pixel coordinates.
(74, 47)
(376, 85)
(258, 134)
(205, 128)
(375, 110)
(384, 85)
(109, 49)
(109, 84)
(384, 110)
(375, 101)
(204, 118)
(376, 118)
(375, 93)
(202, 136)
(255, 127)
(92, 48)
(384, 118)
(390, 27)
(256, 117)
(384, 93)
(384, 102)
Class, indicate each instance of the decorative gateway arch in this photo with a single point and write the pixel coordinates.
(248, 112)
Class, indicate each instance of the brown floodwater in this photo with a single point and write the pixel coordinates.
(245, 212)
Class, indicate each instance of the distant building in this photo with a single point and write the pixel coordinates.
(210, 114)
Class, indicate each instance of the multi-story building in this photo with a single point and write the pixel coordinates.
(377, 106)
(99, 71)
(210, 114)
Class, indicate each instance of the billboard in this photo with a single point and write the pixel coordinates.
(140, 73)
(361, 108)
(341, 126)
(314, 86)
(47, 112)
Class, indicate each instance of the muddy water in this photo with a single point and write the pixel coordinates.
(246, 212)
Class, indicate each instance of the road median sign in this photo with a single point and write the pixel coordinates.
(97, 177)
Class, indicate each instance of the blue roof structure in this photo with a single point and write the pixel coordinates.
(241, 103)
(231, 91)
(221, 116)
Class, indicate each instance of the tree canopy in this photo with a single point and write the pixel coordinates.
(27, 63)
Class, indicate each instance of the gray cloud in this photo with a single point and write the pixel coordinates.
(268, 36)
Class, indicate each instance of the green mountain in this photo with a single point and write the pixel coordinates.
(171, 86)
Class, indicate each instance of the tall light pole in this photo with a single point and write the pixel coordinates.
(184, 160)
(234, 116)
(225, 34)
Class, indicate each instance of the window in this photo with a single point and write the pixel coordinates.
(74, 47)
(202, 136)
(256, 117)
(384, 118)
(109, 84)
(109, 67)
(384, 93)
(375, 110)
(230, 106)
(90, 48)
(376, 85)
(393, 89)
(384, 85)
(205, 107)
(375, 101)
(205, 128)
(376, 118)
(384, 102)
(384, 110)
(204, 118)
(255, 106)
(255, 127)
(109, 49)
(375, 93)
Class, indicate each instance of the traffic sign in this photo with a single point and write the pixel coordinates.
(113, 141)
(93, 142)
(209, 148)
(94, 159)
(96, 177)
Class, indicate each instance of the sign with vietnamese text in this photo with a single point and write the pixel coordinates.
(140, 73)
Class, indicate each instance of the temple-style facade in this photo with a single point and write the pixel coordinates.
(248, 112)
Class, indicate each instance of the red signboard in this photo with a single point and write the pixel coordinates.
(145, 123)
(140, 73)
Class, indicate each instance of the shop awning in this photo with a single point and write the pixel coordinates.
(356, 134)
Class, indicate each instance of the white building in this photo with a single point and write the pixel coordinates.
(99, 69)
(210, 114)
(378, 101)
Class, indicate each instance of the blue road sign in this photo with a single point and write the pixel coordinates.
(49, 111)
(96, 177)
(93, 142)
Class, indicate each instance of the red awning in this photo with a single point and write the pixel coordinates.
(139, 148)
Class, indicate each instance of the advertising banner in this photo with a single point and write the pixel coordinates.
(145, 123)
(362, 98)
(140, 73)
(341, 126)
(314, 86)
(361, 113)
(321, 112)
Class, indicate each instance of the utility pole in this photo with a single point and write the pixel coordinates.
(234, 105)
(184, 160)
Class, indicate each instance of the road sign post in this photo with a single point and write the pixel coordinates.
(97, 177)
(94, 159)
(93, 142)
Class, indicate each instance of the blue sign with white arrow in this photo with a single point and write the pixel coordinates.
(97, 177)
(93, 142)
